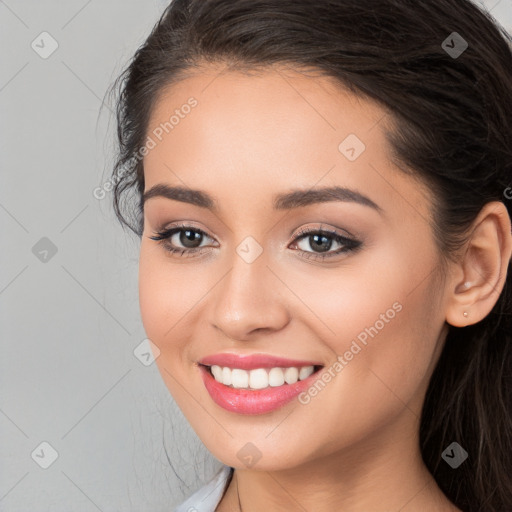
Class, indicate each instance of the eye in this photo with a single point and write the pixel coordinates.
(182, 239)
(321, 242)
(186, 240)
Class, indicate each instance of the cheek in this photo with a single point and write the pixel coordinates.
(166, 295)
(387, 378)
(167, 292)
(153, 300)
(365, 291)
(380, 318)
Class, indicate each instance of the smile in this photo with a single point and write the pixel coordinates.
(256, 384)
(260, 378)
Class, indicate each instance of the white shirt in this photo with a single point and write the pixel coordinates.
(207, 497)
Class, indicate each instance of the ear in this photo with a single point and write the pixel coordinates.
(479, 275)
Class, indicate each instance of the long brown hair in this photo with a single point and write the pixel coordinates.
(452, 117)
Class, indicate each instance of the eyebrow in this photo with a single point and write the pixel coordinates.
(294, 199)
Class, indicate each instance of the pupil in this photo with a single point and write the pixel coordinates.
(188, 238)
(317, 244)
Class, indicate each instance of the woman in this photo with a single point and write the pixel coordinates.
(324, 198)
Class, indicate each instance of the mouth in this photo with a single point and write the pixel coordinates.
(260, 378)
(259, 390)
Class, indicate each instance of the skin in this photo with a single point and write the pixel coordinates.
(354, 446)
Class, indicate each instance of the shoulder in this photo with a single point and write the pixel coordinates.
(207, 497)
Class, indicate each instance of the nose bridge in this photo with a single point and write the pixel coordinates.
(248, 296)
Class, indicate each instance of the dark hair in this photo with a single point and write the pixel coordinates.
(451, 119)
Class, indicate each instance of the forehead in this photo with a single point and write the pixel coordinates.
(266, 118)
(304, 98)
(269, 129)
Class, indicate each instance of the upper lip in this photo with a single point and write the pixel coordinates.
(253, 361)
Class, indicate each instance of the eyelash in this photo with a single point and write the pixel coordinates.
(349, 244)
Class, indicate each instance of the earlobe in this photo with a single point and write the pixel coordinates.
(481, 272)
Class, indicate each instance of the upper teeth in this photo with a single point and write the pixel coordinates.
(260, 378)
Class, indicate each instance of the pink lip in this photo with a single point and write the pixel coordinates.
(254, 361)
(259, 401)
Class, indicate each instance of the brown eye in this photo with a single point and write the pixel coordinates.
(189, 238)
(321, 241)
(183, 239)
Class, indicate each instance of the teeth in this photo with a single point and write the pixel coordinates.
(239, 378)
(291, 375)
(226, 376)
(217, 373)
(305, 372)
(260, 378)
(275, 377)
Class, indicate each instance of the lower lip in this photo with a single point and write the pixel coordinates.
(259, 401)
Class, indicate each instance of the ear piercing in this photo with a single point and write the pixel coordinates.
(467, 284)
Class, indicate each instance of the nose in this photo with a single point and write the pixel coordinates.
(250, 300)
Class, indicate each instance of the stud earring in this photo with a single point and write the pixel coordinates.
(467, 284)
(465, 313)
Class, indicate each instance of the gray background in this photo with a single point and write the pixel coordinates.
(70, 319)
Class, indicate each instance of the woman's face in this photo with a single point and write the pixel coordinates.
(263, 280)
